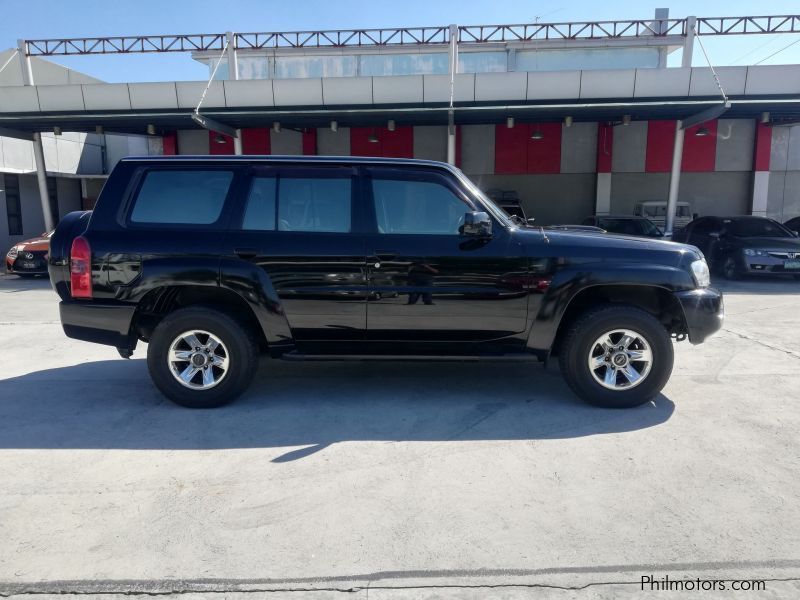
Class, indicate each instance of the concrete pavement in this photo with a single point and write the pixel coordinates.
(337, 478)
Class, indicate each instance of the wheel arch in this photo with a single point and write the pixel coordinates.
(658, 301)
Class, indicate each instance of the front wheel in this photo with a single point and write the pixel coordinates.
(200, 357)
(730, 269)
(616, 357)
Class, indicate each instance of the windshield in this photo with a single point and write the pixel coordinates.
(758, 228)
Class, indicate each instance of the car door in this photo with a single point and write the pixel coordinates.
(705, 233)
(427, 281)
(299, 223)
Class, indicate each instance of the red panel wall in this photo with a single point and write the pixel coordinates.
(660, 141)
(700, 153)
(217, 148)
(255, 141)
(170, 143)
(516, 152)
(605, 146)
(511, 149)
(544, 155)
(310, 141)
(360, 146)
(398, 143)
(763, 147)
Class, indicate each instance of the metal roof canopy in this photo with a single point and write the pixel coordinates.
(781, 109)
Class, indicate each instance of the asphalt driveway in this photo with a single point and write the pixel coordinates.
(335, 478)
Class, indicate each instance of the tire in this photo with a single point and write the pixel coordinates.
(580, 343)
(730, 269)
(232, 363)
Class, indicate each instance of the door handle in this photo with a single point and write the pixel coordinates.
(246, 253)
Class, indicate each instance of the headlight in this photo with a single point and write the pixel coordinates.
(13, 252)
(701, 275)
(754, 252)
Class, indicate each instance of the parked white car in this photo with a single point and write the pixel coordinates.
(656, 211)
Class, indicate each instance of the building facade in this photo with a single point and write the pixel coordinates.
(573, 118)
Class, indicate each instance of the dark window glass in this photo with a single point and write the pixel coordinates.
(181, 197)
(52, 196)
(758, 228)
(417, 207)
(705, 226)
(259, 213)
(314, 204)
(13, 205)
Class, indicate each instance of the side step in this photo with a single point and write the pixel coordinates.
(523, 358)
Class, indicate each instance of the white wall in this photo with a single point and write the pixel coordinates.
(120, 146)
(44, 72)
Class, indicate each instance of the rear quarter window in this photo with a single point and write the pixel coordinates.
(188, 197)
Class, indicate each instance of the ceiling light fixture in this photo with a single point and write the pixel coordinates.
(151, 129)
(702, 132)
(276, 126)
(334, 126)
(765, 117)
(56, 130)
(537, 134)
(567, 121)
(626, 120)
(391, 125)
(219, 139)
(510, 122)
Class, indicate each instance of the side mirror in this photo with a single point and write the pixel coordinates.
(477, 224)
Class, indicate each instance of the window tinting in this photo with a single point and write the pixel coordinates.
(260, 211)
(181, 197)
(758, 228)
(314, 204)
(417, 207)
(13, 205)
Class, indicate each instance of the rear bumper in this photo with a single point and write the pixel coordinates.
(704, 311)
(108, 324)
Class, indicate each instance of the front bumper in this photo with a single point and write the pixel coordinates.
(768, 265)
(704, 311)
(101, 323)
(15, 267)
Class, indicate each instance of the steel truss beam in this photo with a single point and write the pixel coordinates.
(415, 36)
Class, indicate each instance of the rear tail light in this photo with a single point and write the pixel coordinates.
(80, 268)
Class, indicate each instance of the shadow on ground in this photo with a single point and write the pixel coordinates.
(112, 404)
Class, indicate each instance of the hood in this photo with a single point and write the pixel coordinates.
(768, 243)
(586, 244)
(36, 244)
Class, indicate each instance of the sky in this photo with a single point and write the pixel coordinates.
(37, 19)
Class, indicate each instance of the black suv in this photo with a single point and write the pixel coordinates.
(212, 260)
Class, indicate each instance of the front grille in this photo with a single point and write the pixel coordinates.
(785, 255)
(38, 260)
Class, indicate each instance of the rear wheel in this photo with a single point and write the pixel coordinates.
(616, 357)
(200, 357)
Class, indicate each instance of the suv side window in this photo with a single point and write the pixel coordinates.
(181, 197)
(417, 205)
(299, 202)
